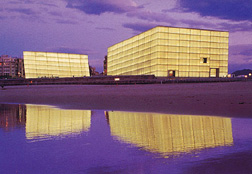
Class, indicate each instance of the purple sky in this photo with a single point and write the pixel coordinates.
(91, 26)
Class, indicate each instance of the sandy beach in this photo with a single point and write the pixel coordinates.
(230, 99)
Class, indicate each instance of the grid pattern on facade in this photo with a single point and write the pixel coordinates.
(165, 133)
(45, 122)
(168, 51)
(47, 64)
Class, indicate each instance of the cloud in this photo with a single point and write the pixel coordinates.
(247, 52)
(3, 17)
(47, 4)
(71, 50)
(57, 14)
(105, 28)
(244, 50)
(28, 2)
(25, 11)
(237, 10)
(198, 23)
(39, 11)
(232, 67)
(66, 21)
(97, 7)
(139, 27)
(233, 27)
(14, 2)
(19, 2)
(240, 57)
(152, 16)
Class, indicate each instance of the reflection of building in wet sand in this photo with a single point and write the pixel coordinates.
(170, 133)
(12, 116)
(45, 121)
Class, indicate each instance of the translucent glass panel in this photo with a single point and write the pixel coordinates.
(167, 48)
(46, 64)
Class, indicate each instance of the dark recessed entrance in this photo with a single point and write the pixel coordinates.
(214, 72)
(171, 73)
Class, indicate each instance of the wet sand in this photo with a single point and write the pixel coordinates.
(230, 99)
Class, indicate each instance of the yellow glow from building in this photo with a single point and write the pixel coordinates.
(45, 121)
(166, 134)
(47, 64)
(168, 51)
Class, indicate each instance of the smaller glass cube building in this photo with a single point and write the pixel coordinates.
(173, 52)
(48, 64)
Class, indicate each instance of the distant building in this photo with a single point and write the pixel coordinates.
(105, 65)
(243, 73)
(173, 52)
(20, 67)
(93, 71)
(48, 64)
(11, 67)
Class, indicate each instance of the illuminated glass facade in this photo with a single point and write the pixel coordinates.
(168, 51)
(47, 64)
(165, 133)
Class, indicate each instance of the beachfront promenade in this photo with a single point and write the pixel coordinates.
(112, 80)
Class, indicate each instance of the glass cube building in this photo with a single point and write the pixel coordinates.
(173, 52)
(48, 64)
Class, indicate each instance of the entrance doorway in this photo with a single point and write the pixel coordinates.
(214, 72)
(171, 73)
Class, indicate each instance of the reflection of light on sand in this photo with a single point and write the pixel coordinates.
(170, 133)
(45, 122)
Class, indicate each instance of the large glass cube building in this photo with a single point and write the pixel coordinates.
(48, 64)
(173, 52)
